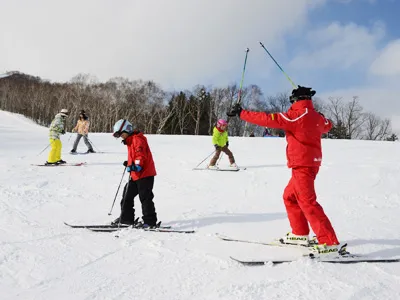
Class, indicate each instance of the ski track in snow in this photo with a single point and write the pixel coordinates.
(41, 258)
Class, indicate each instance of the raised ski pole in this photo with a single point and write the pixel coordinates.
(288, 78)
(241, 81)
(117, 192)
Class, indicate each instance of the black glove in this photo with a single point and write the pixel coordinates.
(125, 163)
(63, 131)
(235, 111)
(227, 144)
(217, 147)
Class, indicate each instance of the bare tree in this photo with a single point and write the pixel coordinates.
(353, 118)
(279, 103)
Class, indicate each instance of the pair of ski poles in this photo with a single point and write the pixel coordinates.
(239, 100)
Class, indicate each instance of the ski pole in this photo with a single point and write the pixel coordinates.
(219, 159)
(44, 149)
(241, 82)
(122, 204)
(239, 100)
(117, 192)
(98, 150)
(204, 159)
(70, 136)
(295, 86)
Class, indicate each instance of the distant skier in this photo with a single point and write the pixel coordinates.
(57, 127)
(141, 168)
(82, 128)
(221, 143)
(304, 127)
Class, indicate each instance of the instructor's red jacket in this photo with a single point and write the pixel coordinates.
(304, 127)
(139, 154)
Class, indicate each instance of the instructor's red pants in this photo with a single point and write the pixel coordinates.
(302, 206)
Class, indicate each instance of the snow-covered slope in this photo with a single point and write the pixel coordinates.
(41, 258)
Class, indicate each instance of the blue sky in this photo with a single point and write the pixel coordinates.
(361, 13)
(341, 48)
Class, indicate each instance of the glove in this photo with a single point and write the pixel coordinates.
(134, 168)
(63, 131)
(217, 147)
(125, 163)
(73, 130)
(235, 111)
(227, 144)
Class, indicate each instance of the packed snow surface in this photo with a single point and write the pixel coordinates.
(41, 258)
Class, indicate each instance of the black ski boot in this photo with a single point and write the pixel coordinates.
(132, 221)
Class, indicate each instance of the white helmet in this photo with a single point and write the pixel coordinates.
(122, 126)
(64, 112)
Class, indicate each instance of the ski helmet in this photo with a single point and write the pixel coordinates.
(64, 112)
(122, 126)
(301, 93)
(221, 122)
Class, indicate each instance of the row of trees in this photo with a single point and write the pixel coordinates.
(156, 111)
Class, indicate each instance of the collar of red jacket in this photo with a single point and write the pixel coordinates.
(128, 140)
(302, 104)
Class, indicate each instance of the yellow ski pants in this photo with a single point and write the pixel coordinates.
(55, 152)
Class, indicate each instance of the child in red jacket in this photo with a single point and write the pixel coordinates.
(304, 127)
(140, 166)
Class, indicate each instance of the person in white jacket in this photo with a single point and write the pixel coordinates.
(57, 127)
(82, 129)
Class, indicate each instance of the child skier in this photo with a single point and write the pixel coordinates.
(57, 127)
(82, 128)
(140, 166)
(221, 143)
(304, 127)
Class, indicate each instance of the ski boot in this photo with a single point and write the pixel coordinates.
(118, 221)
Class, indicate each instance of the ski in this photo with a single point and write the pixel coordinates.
(108, 226)
(85, 153)
(219, 169)
(96, 225)
(61, 165)
(158, 229)
(337, 260)
(276, 243)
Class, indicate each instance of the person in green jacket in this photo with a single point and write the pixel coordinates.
(221, 143)
(57, 127)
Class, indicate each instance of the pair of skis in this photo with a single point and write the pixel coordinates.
(340, 259)
(61, 165)
(114, 228)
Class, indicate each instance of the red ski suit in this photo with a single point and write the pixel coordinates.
(304, 127)
(139, 154)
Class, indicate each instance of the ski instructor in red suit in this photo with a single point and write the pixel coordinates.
(304, 127)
